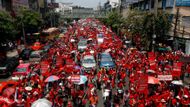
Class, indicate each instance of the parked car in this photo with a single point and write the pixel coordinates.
(25, 54)
(88, 62)
(8, 65)
(106, 61)
(100, 38)
(23, 70)
(36, 56)
(82, 45)
(12, 53)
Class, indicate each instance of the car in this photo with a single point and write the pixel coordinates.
(23, 70)
(82, 45)
(88, 62)
(25, 54)
(8, 65)
(106, 61)
(12, 53)
(36, 56)
(100, 38)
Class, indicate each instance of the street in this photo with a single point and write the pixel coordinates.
(90, 53)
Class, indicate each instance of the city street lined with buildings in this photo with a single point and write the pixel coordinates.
(107, 53)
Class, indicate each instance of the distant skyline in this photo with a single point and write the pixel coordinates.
(84, 3)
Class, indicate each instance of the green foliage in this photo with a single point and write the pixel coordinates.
(7, 27)
(134, 21)
(162, 26)
(114, 20)
(51, 19)
(146, 24)
(31, 20)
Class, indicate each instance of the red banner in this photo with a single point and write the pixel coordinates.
(177, 69)
(59, 61)
(44, 66)
(142, 84)
(75, 78)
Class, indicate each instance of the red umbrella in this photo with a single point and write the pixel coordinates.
(52, 78)
(8, 91)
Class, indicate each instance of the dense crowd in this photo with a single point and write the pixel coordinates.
(139, 79)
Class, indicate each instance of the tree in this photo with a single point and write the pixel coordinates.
(162, 26)
(114, 20)
(51, 19)
(134, 21)
(146, 24)
(30, 20)
(7, 27)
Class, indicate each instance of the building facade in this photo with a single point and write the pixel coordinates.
(64, 8)
(171, 7)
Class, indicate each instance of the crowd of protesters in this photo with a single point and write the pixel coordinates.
(139, 79)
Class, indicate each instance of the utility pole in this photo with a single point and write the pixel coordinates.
(183, 31)
(175, 30)
(156, 8)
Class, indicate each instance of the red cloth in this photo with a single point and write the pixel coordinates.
(185, 102)
(174, 101)
(120, 85)
(28, 102)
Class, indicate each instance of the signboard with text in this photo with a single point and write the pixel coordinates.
(142, 84)
(182, 2)
(165, 77)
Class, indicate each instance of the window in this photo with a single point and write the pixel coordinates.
(169, 3)
(21, 69)
(182, 2)
(0, 4)
(186, 21)
(164, 4)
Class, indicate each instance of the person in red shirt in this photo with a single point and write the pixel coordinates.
(185, 101)
(173, 101)
(69, 104)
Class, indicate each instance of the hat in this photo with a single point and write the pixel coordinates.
(163, 101)
(132, 88)
(177, 97)
(35, 93)
(185, 96)
(60, 84)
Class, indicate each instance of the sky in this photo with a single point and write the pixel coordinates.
(84, 3)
